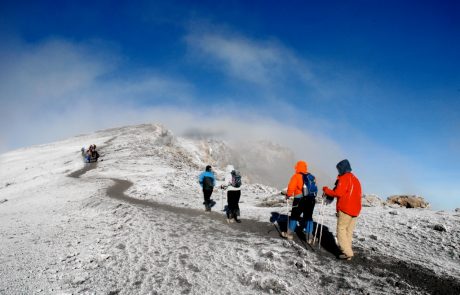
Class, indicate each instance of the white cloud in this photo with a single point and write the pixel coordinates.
(57, 89)
(278, 72)
(51, 88)
(151, 87)
(264, 63)
(48, 72)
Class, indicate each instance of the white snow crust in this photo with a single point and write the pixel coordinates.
(65, 235)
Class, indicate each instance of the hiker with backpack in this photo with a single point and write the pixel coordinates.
(91, 154)
(233, 185)
(302, 188)
(207, 182)
(348, 193)
(95, 154)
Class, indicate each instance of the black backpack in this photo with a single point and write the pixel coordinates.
(207, 183)
(236, 178)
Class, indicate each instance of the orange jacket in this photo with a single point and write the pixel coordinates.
(348, 194)
(296, 183)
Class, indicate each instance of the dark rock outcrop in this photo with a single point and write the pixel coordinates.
(440, 227)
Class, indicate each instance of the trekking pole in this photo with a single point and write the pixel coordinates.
(318, 221)
(222, 199)
(322, 221)
(287, 214)
(289, 208)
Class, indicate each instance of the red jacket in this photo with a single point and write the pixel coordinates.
(296, 183)
(348, 194)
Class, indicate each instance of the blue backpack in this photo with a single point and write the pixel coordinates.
(309, 188)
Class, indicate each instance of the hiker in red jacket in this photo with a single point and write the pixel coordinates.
(348, 194)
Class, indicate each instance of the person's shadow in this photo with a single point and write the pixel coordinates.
(327, 238)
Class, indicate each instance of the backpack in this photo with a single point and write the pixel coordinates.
(236, 178)
(309, 188)
(208, 183)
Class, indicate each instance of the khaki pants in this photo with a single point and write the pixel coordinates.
(345, 227)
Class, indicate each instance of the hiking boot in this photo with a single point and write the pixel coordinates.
(344, 257)
(238, 220)
(229, 220)
(287, 235)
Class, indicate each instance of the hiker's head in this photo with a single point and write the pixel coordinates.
(301, 167)
(343, 167)
(208, 168)
(235, 173)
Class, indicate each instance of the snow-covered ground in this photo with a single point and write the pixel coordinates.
(66, 232)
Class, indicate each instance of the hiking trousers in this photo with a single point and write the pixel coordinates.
(233, 198)
(207, 197)
(305, 206)
(345, 227)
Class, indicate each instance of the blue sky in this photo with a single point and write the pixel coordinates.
(376, 81)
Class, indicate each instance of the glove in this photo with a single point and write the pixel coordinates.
(326, 190)
(328, 200)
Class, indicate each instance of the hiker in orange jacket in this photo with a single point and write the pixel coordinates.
(348, 193)
(301, 204)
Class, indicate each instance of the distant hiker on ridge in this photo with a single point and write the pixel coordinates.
(302, 187)
(95, 154)
(347, 190)
(233, 186)
(91, 154)
(207, 182)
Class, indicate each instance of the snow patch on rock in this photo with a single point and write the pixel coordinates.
(371, 200)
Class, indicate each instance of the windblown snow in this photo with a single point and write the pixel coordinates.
(134, 224)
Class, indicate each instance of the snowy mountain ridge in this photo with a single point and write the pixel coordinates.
(134, 224)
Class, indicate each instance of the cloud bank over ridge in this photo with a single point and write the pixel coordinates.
(57, 88)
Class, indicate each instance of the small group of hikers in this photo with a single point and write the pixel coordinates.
(302, 188)
(232, 184)
(91, 154)
(347, 190)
